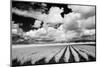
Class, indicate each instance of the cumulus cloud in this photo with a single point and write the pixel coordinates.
(56, 34)
(41, 32)
(88, 32)
(60, 35)
(70, 21)
(75, 27)
(36, 33)
(30, 33)
(54, 15)
(65, 36)
(70, 35)
(37, 24)
(68, 30)
(80, 21)
(86, 11)
(88, 23)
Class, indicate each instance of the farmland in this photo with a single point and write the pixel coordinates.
(35, 54)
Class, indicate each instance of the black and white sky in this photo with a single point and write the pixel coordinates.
(57, 21)
(43, 8)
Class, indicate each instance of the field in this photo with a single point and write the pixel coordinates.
(37, 54)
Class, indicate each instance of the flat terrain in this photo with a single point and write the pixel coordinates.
(52, 44)
(68, 52)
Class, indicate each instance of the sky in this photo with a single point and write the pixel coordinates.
(56, 21)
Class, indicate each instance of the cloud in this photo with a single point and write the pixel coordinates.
(70, 35)
(42, 33)
(54, 15)
(36, 33)
(15, 29)
(34, 14)
(56, 34)
(70, 21)
(68, 30)
(85, 11)
(60, 35)
(88, 23)
(80, 21)
(37, 24)
(30, 33)
(88, 32)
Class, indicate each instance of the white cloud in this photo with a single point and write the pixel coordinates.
(37, 24)
(79, 21)
(70, 35)
(36, 33)
(88, 23)
(60, 35)
(54, 15)
(86, 11)
(34, 14)
(30, 33)
(70, 21)
(68, 30)
(41, 32)
(57, 34)
(88, 32)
